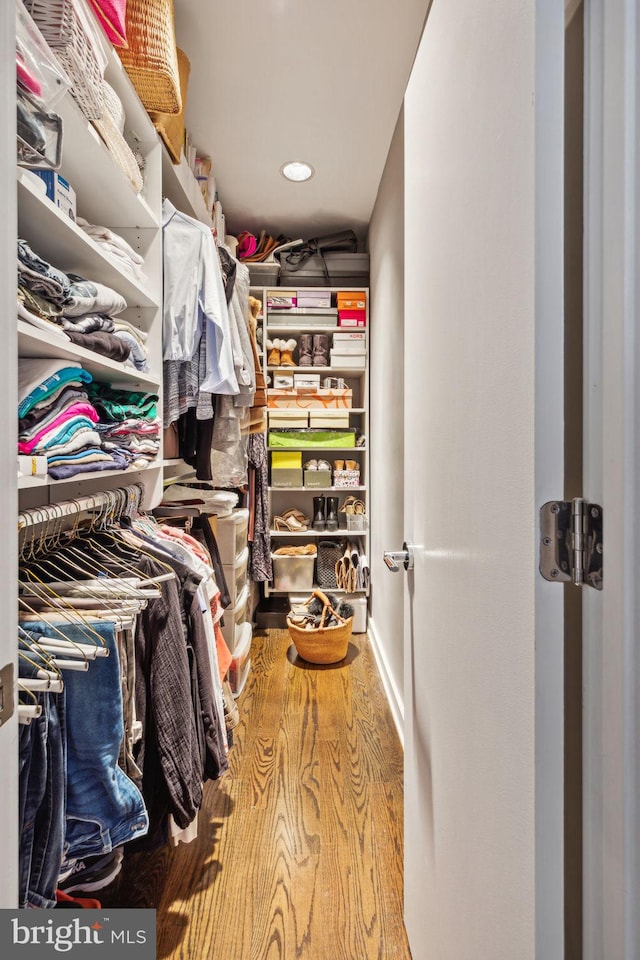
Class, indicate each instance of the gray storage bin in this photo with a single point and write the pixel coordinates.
(345, 270)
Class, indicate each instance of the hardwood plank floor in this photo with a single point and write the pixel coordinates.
(299, 849)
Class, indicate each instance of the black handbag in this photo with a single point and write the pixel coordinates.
(329, 552)
(343, 242)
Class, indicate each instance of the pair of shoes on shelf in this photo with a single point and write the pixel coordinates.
(293, 520)
(314, 350)
(317, 465)
(352, 506)
(345, 465)
(325, 514)
(281, 353)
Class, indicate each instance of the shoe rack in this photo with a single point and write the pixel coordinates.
(285, 345)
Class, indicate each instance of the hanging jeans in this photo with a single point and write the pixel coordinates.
(104, 808)
(42, 802)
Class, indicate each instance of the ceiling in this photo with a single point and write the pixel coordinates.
(278, 80)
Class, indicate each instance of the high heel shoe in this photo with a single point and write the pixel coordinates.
(291, 523)
(298, 517)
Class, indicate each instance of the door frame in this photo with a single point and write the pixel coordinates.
(611, 674)
(8, 463)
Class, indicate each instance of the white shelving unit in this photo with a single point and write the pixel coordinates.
(357, 379)
(104, 196)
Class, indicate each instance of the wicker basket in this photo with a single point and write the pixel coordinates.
(111, 129)
(61, 25)
(322, 644)
(170, 126)
(151, 59)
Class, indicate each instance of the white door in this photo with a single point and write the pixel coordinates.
(483, 436)
(8, 441)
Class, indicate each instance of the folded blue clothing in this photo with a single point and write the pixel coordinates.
(78, 457)
(67, 431)
(53, 383)
(66, 470)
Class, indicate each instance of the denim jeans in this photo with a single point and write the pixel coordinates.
(42, 799)
(104, 808)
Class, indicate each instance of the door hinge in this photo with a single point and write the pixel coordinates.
(7, 699)
(571, 542)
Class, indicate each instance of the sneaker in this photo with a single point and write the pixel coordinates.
(93, 873)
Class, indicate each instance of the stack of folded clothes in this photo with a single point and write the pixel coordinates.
(58, 421)
(83, 311)
(116, 248)
(129, 425)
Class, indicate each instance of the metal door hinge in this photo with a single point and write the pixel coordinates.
(7, 700)
(571, 542)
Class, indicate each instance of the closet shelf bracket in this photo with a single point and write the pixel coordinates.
(7, 700)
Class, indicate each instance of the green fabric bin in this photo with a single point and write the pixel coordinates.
(312, 438)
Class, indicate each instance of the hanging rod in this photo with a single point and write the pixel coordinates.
(118, 501)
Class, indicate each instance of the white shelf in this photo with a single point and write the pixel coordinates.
(316, 447)
(33, 342)
(294, 329)
(345, 371)
(56, 238)
(336, 490)
(181, 187)
(109, 198)
(301, 534)
(273, 411)
(29, 483)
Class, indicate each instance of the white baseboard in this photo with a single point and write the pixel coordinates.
(396, 702)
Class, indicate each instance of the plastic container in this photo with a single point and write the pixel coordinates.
(236, 575)
(237, 674)
(293, 573)
(231, 535)
(234, 618)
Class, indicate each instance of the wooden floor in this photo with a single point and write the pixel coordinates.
(299, 852)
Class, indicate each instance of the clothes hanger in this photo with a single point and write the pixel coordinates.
(28, 711)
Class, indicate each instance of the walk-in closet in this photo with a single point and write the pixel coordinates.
(202, 727)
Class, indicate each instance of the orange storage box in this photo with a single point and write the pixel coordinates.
(348, 300)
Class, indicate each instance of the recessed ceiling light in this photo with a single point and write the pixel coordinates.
(297, 170)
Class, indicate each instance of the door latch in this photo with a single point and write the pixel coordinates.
(571, 547)
(7, 701)
(393, 558)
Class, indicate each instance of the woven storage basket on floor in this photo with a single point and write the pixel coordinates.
(61, 26)
(151, 59)
(170, 126)
(323, 644)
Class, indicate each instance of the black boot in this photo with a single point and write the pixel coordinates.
(332, 513)
(319, 506)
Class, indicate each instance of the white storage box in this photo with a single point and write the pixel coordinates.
(351, 361)
(59, 192)
(359, 605)
(231, 534)
(351, 343)
(234, 618)
(238, 668)
(236, 575)
(293, 573)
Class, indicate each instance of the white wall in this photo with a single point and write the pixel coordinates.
(386, 247)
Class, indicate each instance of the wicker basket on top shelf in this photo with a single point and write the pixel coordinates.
(65, 27)
(151, 59)
(170, 126)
